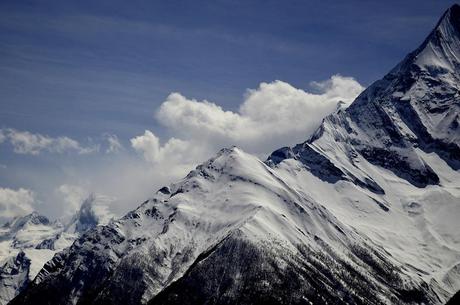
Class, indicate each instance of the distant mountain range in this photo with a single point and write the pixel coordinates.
(366, 211)
(28, 242)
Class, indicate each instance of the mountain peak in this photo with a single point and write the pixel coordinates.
(449, 20)
(440, 52)
(21, 221)
(416, 106)
(93, 211)
(453, 11)
(84, 218)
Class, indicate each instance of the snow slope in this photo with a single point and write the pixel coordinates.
(233, 198)
(364, 212)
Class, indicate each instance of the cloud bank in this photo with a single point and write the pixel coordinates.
(275, 114)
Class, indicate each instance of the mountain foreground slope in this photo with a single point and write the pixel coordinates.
(364, 212)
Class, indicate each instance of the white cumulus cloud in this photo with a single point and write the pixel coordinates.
(275, 114)
(175, 156)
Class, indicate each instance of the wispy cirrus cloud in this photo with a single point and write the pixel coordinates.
(25, 142)
(113, 144)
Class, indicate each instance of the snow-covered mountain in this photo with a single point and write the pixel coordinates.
(18, 241)
(93, 211)
(28, 242)
(364, 212)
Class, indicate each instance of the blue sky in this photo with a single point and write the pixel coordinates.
(88, 70)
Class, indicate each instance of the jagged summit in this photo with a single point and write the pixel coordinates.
(441, 48)
(439, 52)
(34, 218)
(452, 15)
(413, 110)
(21, 222)
(85, 218)
(436, 62)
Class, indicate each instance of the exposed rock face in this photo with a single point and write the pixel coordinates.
(415, 106)
(14, 276)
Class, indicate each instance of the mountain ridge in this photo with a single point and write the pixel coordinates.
(285, 220)
(390, 119)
